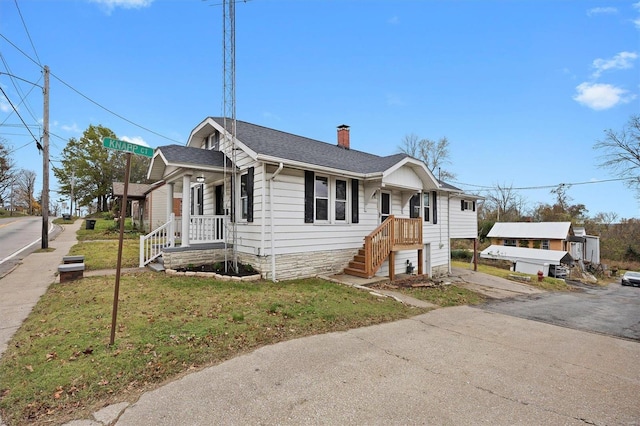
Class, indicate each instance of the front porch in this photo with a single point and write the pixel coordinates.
(204, 232)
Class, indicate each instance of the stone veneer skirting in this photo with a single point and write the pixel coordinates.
(288, 266)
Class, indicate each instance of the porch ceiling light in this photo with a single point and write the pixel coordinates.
(200, 179)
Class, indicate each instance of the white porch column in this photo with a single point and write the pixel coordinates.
(170, 187)
(186, 209)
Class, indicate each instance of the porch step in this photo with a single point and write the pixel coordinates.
(356, 272)
(357, 266)
(156, 266)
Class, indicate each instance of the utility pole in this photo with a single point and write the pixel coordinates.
(45, 162)
(73, 181)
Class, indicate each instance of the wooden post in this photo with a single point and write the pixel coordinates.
(392, 265)
(420, 272)
(475, 254)
(123, 209)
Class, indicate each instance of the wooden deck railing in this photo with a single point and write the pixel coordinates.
(393, 234)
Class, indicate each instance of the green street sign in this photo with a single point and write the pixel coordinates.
(127, 147)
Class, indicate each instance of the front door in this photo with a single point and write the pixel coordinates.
(385, 206)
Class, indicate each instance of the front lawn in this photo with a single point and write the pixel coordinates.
(60, 366)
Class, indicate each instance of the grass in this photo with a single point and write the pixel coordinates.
(548, 283)
(444, 296)
(60, 366)
(105, 229)
(104, 254)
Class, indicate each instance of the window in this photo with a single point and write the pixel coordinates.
(341, 200)
(329, 200)
(322, 198)
(523, 243)
(244, 196)
(510, 243)
(545, 244)
(426, 206)
(468, 205)
(414, 206)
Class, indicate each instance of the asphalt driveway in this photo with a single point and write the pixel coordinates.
(613, 310)
(453, 366)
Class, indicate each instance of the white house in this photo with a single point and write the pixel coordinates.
(291, 206)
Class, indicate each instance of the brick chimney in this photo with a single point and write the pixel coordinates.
(343, 136)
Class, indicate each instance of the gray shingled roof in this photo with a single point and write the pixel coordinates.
(287, 146)
(193, 156)
(135, 190)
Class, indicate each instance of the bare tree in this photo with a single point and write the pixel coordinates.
(434, 154)
(621, 151)
(505, 203)
(25, 183)
(7, 171)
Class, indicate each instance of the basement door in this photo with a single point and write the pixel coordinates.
(426, 253)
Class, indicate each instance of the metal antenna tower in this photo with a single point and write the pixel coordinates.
(229, 117)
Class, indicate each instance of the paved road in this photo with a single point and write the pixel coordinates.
(613, 310)
(20, 236)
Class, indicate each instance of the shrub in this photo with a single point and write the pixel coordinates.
(461, 255)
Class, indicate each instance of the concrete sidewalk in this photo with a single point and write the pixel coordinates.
(22, 287)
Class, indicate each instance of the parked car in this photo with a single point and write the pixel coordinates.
(631, 278)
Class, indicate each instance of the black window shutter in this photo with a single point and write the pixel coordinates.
(462, 205)
(233, 200)
(355, 189)
(250, 194)
(435, 207)
(309, 182)
(193, 201)
(474, 206)
(201, 199)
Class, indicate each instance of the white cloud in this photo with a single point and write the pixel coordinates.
(135, 140)
(599, 96)
(73, 128)
(622, 60)
(602, 10)
(4, 106)
(636, 5)
(394, 20)
(125, 4)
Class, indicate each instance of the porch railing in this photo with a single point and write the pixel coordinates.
(393, 234)
(206, 229)
(202, 229)
(152, 244)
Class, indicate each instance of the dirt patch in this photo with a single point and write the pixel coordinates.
(412, 281)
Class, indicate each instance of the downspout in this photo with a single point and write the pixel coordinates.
(273, 234)
(449, 228)
(263, 209)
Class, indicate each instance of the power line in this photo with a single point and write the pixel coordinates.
(112, 112)
(27, 31)
(546, 186)
(20, 117)
(89, 99)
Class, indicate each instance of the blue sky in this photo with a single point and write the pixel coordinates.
(522, 89)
